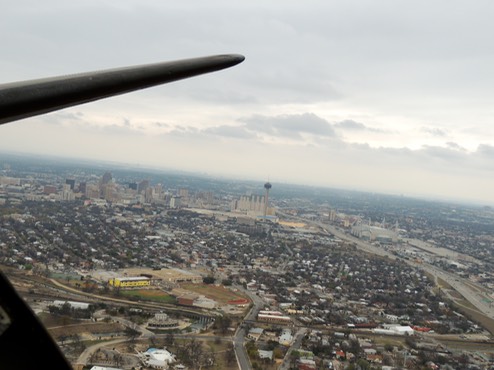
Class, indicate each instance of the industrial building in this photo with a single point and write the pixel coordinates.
(130, 282)
(374, 234)
(252, 206)
(195, 300)
(394, 330)
(72, 304)
(274, 317)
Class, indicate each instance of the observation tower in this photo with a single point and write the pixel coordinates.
(267, 186)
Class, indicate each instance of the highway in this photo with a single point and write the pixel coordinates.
(462, 286)
(459, 284)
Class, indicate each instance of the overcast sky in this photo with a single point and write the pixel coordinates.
(388, 96)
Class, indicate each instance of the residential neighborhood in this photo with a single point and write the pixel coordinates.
(181, 275)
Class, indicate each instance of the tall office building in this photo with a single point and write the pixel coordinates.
(49, 189)
(175, 202)
(67, 193)
(142, 186)
(149, 195)
(107, 177)
(183, 192)
(109, 192)
(70, 182)
(105, 180)
(250, 204)
(83, 188)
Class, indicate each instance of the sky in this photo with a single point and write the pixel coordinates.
(385, 96)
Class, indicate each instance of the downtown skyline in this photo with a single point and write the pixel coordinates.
(389, 97)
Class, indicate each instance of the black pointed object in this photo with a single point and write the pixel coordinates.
(24, 342)
(29, 98)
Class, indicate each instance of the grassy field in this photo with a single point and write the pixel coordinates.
(467, 346)
(463, 302)
(467, 308)
(475, 315)
(50, 320)
(59, 326)
(97, 328)
(443, 284)
(148, 295)
(64, 277)
(382, 341)
(69, 280)
(218, 293)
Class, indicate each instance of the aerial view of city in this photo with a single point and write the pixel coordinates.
(134, 269)
(261, 185)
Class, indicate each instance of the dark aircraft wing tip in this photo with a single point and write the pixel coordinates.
(29, 98)
(237, 58)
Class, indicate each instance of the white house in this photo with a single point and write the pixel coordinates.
(286, 337)
(157, 358)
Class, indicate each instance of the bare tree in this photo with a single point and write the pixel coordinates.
(230, 354)
(118, 359)
(195, 351)
(153, 342)
(131, 333)
(76, 339)
(169, 340)
(191, 354)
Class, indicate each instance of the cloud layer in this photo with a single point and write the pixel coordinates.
(393, 97)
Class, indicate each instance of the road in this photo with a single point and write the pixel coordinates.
(462, 286)
(239, 338)
(296, 345)
(84, 357)
(144, 333)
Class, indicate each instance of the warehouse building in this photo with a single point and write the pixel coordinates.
(274, 317)
(130, 282)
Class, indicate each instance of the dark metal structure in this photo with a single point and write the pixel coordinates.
(29, 98)
(24, 342)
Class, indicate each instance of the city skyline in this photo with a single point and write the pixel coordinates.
(184, 252)
(391, 98)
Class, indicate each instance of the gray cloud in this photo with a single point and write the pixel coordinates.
(289, 126)
(486, 151)
(455, 146)
(231, 132)
(184, 132)
(355, 126)
(62, 117)
(448, 153)
(437, 132)
(118, 130)
(350, 124)
(161, 124)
